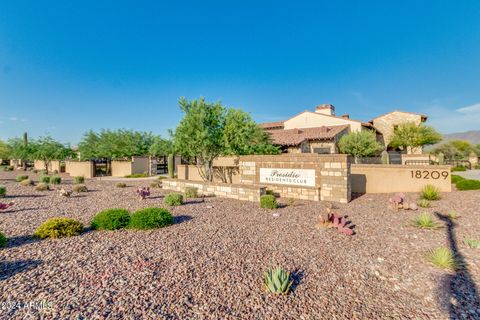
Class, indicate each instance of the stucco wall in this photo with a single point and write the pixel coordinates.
(311, 120)
(40, 165)
(79, 168)
(229, 174)
(121, 168)
(385, 124)
(140, 165)
(372, 178)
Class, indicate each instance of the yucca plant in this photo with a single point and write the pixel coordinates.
(424, 203)
(472, 243)
(425, 221)
(443, 258)
(430, 192)
(277, 280)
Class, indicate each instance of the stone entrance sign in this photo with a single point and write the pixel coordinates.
(292, 177)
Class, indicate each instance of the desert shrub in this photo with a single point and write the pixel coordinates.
(55, 180)
(21, 177)
(79, 179)
(267, 201)
(79, 188)
(59, 227)
(161, 177)
(3, 240)
(425, 221)
(174, 199)
(456, 179)
(8, 168)
(3, 190)
(137, 175)
(150, 218)
(270, 192)
(443, 258)
(26, 182)
(277, 280)
(191, 192)
(453, 215)
(156, 184)
(477, 166)
(290, 202)
(121, 185)
(459, 168)
(467, 184)
(44, 179)
(424, 203)
(472, 243)
(111, 219)
(35, 171)
(430, 192)
(42, 187)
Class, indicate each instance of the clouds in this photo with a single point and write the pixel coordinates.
(454, 120)
(473, 109)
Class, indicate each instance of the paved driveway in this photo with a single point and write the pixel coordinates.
(469, 174)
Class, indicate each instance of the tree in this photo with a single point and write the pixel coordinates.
(455, 150)
(360, 144)
(408, 136)
(4, 151)
(18, 149)
(161, 147)
(48, 149)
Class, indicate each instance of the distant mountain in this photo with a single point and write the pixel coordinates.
(471, 136)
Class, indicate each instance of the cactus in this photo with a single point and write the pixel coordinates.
(277, 280)
(441, 158)
(334, 220)
(171, 169)
(4, 206)
(385, 157)
(143, 192)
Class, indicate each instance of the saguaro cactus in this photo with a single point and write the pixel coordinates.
(441, 158)
(171, 169)
(385, 157)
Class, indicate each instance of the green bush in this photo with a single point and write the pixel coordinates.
(468, 185)
(156, 184)
(111, 219)
(59, 227)
(443, 258)
(459, 168)
(174, 199)
(26, 182)
(191, 192)
(150, 218)
(137, 175)
(430, 192)
(79, 188)
(456, 179)
(3, 240)
(425, 221)
(270, 192)
(8, 168)
(79, 179)
(42, 187)
(477, 166)
(55, 180)
(267, 201)
(21, 177)
(3, 190)
(472, 243)
(44, 179)
(424, 203)
(121, 185)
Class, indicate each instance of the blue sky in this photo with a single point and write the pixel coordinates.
(70, 66)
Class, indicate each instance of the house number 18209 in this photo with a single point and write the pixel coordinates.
(425, 174)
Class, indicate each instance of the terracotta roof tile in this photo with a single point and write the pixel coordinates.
(271, 125)
(293, 137)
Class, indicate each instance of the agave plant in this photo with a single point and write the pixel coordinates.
(334, 220)
(425, 221)
(4, 206)
(444, 258)
(277, 280)
(143, 192)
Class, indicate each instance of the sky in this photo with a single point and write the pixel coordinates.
(70, 66)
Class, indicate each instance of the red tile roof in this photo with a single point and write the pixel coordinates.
(271, 125)
(293, 137)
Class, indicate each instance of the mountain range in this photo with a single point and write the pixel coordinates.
(472, 136)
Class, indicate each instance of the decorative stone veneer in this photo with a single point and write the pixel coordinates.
(332, 172)
(233, 191)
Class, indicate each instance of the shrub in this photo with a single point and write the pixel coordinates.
(430, 192)
(44, 179)
(59, 227)
(55, 180)
(21, 177)
(477, 166)
(79, 179)
(150, 218)
(472, 243)
(191, 192)
(79, 188)
(35, 171)
(270, 192)
(290, 202)
(26, 182)
(459, 168)
(137, 175)
(267, 201)
(443, 258)
(174, 199)
(3, 190)
(453, 215)
(111, 219)
(121, 185)
(156, 184)
(42, 187)
(468, 185)
(277, 280)
(456, 179)
(424, 203)
(8, 168)
(425, 221)
(3, 240)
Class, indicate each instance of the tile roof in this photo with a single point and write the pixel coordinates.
(293, 137)
(271, 125)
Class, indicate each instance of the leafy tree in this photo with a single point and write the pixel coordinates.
(20, 150)
(48, 149)
(4, 150)
(360, 144)
(161, 147)
(455, 150)
(409, 135)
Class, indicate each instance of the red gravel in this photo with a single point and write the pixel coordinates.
(209, 264)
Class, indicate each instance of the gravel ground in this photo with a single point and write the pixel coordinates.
(209, 264)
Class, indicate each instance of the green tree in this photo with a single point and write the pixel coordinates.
(19, 150)
(48, 149)
(455, 150)
(360, 144)
(4, 150)
(161, 147)
(408, 136)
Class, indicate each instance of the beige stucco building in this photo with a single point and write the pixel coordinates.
(319, 131)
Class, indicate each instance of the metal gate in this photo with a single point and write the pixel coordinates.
(102, 167)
